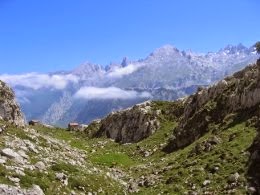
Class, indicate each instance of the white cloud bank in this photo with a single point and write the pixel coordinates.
(109, 93)
(37, 81)
(122, 71)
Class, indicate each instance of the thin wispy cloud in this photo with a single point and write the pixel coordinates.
(37, 81)
(109, 93)
(22, 96)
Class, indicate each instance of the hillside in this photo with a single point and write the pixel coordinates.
(212, 128)
(207, 143)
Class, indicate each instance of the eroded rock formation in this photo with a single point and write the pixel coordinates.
(9, 109)
(130, 125)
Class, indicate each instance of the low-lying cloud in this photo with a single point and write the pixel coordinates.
(109, 93)
(122, 71)
(37, 81)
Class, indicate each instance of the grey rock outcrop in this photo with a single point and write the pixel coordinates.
(130, 125)
(9, 109)
(7, 190)
(9, 153)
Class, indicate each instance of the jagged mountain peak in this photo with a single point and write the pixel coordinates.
(165, 50)
(87, 68)
(235, 49)
(114, 65)
(125, 62)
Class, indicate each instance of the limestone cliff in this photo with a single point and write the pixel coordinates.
(130, 125)
(9, 109)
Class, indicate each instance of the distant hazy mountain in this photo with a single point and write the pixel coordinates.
(91, 91)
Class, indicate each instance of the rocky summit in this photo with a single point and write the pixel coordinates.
(206, 143)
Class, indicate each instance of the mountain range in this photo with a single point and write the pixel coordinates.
(205, 143)
(91, 91)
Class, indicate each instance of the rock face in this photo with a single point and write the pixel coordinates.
(9, 109)
(130, 125)
(240, 92)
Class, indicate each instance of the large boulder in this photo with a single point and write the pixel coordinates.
(9, 109)
(130, 125)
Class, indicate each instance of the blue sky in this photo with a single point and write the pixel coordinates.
(50, 35)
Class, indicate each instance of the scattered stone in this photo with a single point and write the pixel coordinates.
(55, 147)
(19, 172)
(146, 154)
(147, 181)
(9, 190)
(14, 179)
(23, 154)
(62, 177)
(31, 146)
(72, 192)
(214, 140)
(35, 190)
(132, 186)
(216, 169)
(251, 190)
(233, 178)
(40, 165)
(206, 182)
(2, 161)
(8, 152)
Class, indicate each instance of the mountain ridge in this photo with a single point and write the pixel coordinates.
(165, 68)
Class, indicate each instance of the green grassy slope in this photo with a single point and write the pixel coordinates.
(205, 166)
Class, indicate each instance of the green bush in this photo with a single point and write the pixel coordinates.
(60, 167)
